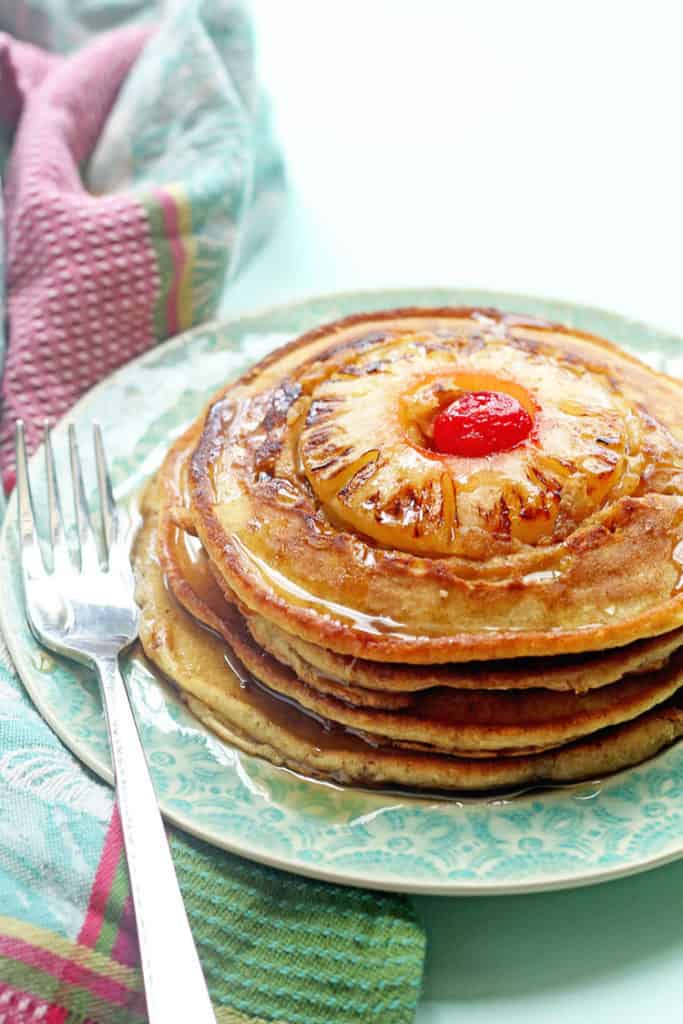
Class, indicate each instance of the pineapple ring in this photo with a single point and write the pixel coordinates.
(365, 447)
(322, 506)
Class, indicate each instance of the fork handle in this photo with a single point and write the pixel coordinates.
(175, 989)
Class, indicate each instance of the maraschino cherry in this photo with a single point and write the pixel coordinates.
(481, 423)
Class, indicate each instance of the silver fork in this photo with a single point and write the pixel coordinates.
(88, 613)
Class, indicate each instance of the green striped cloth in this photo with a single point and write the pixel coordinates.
(274, 947)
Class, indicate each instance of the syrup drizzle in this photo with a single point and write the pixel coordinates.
(320, 732)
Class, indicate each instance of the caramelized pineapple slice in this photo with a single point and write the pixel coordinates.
(366, 448)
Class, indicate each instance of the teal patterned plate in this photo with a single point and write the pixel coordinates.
(538, 840)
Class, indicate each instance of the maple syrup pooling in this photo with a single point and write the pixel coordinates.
(308, 726)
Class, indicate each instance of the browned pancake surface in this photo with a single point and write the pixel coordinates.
(317, 496)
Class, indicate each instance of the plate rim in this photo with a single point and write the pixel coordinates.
(348, 876)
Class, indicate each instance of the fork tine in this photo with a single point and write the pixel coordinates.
(61, 558)
(107, 503)
(86, 538)
(31, 558)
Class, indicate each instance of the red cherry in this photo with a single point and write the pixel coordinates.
(481, 423)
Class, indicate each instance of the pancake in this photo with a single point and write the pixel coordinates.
(317, 492)
(351, 678)
(469, 723)
(254, 720)
(594, 758)
(575, 672)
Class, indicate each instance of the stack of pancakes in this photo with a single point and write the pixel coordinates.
(330, 592)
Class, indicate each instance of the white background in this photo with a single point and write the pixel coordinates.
(525, 146)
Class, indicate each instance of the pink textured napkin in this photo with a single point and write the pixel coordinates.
(81, 275)
(92, 279)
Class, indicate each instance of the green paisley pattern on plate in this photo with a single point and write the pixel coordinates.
(542, 839)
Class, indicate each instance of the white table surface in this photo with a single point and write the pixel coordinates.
(531, 147)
